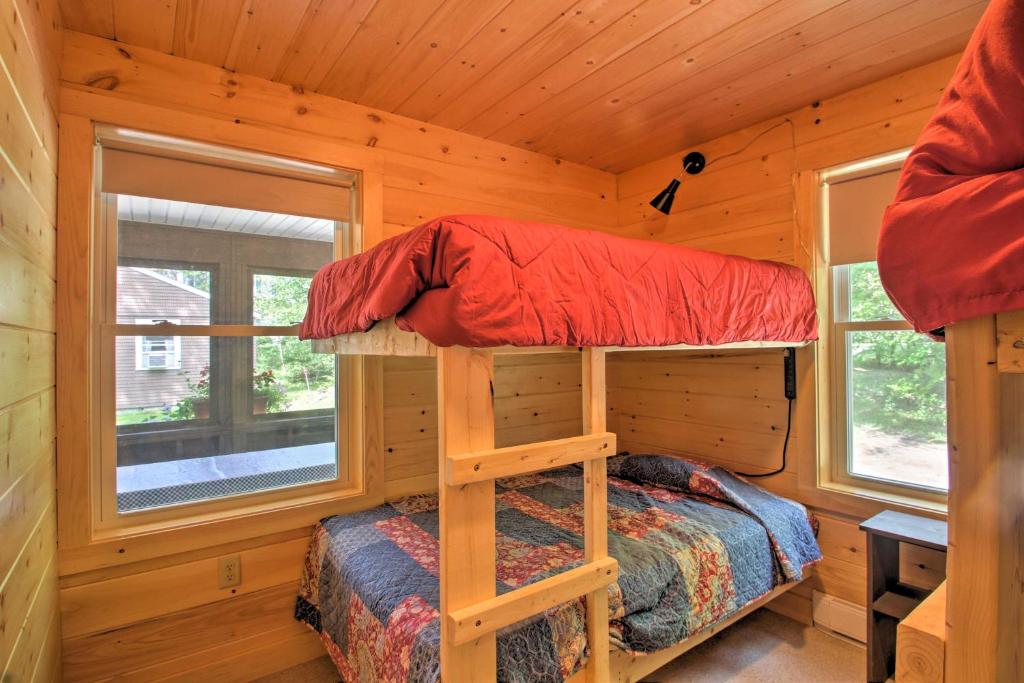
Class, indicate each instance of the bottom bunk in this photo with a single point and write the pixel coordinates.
(697, 548)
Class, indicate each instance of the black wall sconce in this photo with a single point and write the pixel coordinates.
(693, 163)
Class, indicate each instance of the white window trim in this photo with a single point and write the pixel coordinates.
(140, 351)
(106, 521)
(842, 395)
(834, 472)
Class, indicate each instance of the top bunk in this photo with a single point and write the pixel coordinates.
(518, 287)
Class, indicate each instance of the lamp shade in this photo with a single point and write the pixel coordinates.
(663, 202)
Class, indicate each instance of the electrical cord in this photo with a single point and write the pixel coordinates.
(744, 148)
(785, 448)
(751, 141)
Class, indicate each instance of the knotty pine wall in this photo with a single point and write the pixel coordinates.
(730, 408)
(30, 46)
(164, 618)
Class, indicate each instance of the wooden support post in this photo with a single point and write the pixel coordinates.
(985, 602)
(466, 513)
(595, 505)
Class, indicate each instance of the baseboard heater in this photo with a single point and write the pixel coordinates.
(839, 616)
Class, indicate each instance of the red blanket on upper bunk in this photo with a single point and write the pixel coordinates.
(952, 244)
(484, 281)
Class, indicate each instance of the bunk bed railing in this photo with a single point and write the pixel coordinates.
(386, 338)
(471, 612)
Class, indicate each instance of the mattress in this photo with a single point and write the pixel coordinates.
(952, 244)
(695, 544)
(483, 281)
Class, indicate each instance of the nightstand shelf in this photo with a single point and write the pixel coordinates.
(891, 601)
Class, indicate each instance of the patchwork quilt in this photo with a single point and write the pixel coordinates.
(694, 543)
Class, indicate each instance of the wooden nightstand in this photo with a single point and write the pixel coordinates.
(889, 601)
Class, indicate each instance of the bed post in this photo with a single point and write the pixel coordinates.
(985, 598)
(595, 506)
(466, 511)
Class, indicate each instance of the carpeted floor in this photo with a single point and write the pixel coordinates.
(765, 647)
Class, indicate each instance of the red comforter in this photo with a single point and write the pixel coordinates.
(484, 281)
(952, 244)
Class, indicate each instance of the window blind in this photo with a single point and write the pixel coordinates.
(855, 209)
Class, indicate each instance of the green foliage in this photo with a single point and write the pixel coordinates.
(266, 385)
(898, 378)
(281, 300)
(135, 416)
(185, 408)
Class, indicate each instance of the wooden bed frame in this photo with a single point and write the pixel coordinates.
(468, 465)
(984, 612)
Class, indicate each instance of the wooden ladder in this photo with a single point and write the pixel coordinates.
(471, 613)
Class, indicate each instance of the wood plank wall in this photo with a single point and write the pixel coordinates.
(731, 409)
(164, 618)
(30, 46)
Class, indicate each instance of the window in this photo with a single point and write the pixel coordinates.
(888, 382)
(157, 353)
(206, 257)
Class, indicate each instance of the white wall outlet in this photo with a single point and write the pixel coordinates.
(229, 571)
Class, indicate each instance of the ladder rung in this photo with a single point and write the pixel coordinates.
(469, 623)
(467, 468)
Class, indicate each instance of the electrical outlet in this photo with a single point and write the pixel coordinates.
(229, 571)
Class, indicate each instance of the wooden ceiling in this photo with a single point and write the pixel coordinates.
(608, 83)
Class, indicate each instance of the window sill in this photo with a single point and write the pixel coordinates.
(184, 534)
(868, 501)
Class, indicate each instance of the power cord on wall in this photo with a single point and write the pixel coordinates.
(789, 379)
(785, 447)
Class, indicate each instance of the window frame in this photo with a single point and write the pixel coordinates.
(834, 289)
(106, 519)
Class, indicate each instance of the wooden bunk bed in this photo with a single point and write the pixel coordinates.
(468, 466)
(474, 287)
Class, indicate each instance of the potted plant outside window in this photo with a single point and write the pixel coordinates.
(195, 406)
(267, 393)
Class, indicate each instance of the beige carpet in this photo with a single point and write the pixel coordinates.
(763, 648)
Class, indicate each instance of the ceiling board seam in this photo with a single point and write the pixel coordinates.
(406, 46)
(613, 61)
(896, 37)
(524, 45)
(665, 114)
(689, 48)
(572, 51)
(283, 64)
(454, 54)
(236, 36)
(527, 41)
(529, 78)
(751, 18)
